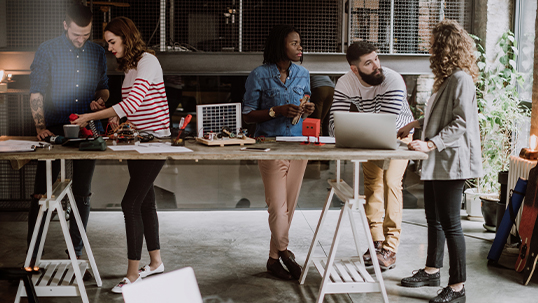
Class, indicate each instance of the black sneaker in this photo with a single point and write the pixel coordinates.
(448, 295)
(422, 278)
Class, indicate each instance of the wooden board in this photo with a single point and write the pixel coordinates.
(223, 142)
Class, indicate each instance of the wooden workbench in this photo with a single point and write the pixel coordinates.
(279, 150)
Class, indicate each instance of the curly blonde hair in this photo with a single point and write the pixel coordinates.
(452, 48)
(133, 45)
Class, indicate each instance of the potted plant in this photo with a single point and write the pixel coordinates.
(500, 115)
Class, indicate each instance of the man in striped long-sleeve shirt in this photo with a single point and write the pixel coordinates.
(373, 89)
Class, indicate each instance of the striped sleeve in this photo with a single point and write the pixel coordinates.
(342, 103)
(131, 104)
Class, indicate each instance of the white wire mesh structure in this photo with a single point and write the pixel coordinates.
(213, 117)
(395, 26)
(403, 26)
(243, 25)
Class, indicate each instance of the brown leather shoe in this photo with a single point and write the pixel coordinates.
(288, 258)
(275, 268)
(368, 257)
(387, 259)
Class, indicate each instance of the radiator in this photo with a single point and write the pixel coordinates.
(519, 168)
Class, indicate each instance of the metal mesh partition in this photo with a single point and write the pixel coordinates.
(16, 186)
(408, 23)
(318, 21)
(15, 115)
(243, 25)
(210, 25)
(145, 14)
(30, 22)
(235, 25)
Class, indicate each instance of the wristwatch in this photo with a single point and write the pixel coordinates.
(272, 113)
(431, 145)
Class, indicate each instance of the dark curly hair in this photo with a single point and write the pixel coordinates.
(275, 45)
(358, 49)
(133, 45)
(452, 49)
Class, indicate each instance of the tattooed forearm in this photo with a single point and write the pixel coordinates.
(36, 104)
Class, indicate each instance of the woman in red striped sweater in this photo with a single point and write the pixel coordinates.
(145, 105)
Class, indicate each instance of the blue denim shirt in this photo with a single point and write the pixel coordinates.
(265, 90)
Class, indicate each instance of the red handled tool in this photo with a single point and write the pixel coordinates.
(183, 124)
(86, 133)
(187, 120)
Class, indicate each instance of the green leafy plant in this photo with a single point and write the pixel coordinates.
(500, 114)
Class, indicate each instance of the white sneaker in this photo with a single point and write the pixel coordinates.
(146, 271)
(125, 281)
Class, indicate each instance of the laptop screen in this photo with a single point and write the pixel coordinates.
(365, 130)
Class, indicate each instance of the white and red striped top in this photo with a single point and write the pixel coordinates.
(144, 98)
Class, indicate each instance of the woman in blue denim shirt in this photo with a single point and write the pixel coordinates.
(272, 99)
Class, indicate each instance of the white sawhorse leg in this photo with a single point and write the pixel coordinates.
(59, 283)
(347, 275)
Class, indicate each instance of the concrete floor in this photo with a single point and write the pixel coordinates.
(228, 251)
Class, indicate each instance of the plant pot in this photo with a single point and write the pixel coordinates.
(489, 212)
(473, 204)
(502, 178)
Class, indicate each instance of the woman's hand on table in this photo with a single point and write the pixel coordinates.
(418, 145)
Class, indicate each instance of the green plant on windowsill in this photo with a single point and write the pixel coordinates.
(500, 112)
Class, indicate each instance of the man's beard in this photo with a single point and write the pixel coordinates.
(373, 79)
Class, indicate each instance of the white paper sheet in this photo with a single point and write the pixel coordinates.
(122, 147)
(151, 148)
(13, 146)
(322, 139)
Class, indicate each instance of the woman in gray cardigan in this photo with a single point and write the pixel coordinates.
(451, 138)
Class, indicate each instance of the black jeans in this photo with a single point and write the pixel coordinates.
(442, 203)
(139, 209)
(81, 186)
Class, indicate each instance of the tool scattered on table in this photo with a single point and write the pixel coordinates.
(55, 139)
(179, 139)
(98, 144)
(127, 132)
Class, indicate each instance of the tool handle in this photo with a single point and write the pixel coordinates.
(186, 122)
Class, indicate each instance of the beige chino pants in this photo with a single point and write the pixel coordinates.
(383, 191)
(282, 180)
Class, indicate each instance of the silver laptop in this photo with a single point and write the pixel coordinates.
(365, 130)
